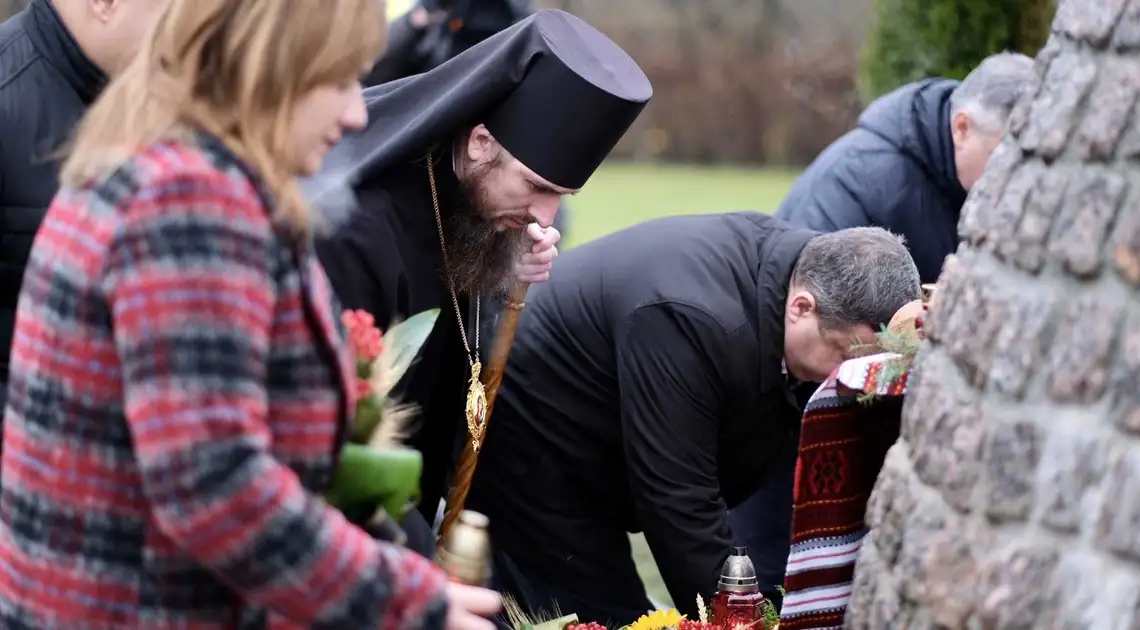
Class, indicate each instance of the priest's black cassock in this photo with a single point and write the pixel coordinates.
(557, 94)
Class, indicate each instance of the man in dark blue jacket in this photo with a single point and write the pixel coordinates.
(906, 167)
(54, 60)
(909, 163)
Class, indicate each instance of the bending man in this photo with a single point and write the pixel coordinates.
(649, 389)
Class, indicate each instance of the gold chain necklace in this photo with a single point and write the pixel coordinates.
(476, 409)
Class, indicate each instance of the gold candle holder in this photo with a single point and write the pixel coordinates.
(465, 553)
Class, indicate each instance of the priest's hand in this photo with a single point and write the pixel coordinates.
(534, 266)
(469, 607)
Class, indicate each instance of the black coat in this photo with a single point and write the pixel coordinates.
(644, 392)
(895, 170)
(414, 50)
(387, 261)
(46, 84)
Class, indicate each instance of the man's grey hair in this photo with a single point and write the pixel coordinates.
(990, 91)
(858, 276)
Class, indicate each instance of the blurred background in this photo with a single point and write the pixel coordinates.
(748, 92)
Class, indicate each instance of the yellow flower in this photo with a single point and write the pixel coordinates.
(658, 620)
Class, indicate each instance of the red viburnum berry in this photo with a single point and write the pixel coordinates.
(590, 625)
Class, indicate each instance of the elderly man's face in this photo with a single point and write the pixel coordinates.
(973, 145)
(812, 353)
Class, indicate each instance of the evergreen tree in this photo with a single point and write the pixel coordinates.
(915, 39)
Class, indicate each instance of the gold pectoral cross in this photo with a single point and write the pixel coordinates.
(476, 407)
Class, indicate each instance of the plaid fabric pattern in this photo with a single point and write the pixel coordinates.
(843, 444)
(177, 396)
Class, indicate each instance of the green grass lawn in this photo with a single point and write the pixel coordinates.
(621, 195)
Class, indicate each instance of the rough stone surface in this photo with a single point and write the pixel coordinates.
(953, 279)
(926, 528)
(1118, 520)
(1014, 591)
(1005, 216)
(926, 401)
(1124, 389)
(1127, 34)
(1092, 594)
(1110, 106)
(1079, 361)
(970, 323)
(890, 504)
(1037, 220)
(1012, 499)
(1011, 455)
(864, 587)
(950, 588)
(976, 218)
(946, 431)
(1018, 350)
(1077, 241)
(1053, 116)
(1019, 116)
(1126, 243)
(1089, 21)
(1072, 465)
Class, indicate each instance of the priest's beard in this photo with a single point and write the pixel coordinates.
(480, 257)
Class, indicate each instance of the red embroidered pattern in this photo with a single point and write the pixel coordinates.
(829, 473)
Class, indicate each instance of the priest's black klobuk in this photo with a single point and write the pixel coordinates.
(553, 90)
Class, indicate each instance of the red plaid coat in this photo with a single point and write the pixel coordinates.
(177, 396)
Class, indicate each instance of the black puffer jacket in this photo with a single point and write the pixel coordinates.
(895, 170)
(46, 84)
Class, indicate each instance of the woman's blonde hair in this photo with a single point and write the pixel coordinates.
(235, 69)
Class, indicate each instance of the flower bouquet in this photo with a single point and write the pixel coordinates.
(377, 476)
(669, 619)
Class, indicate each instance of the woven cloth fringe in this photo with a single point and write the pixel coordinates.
(842, 447)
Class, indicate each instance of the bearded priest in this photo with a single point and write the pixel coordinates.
(453, 188)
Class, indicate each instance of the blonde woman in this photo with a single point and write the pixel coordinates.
(179, 388)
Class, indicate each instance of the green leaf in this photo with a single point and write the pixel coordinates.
(403, 341)
(771, 615)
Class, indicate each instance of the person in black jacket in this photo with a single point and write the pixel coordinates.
(54, 61)
(434, 31)
(913, 157)
(647, 391)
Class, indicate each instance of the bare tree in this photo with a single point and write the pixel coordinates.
(1012, 499)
